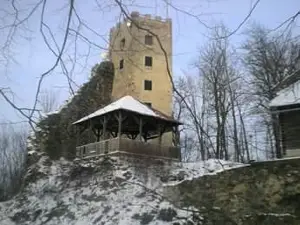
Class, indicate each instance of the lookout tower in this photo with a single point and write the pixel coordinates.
(140, 63)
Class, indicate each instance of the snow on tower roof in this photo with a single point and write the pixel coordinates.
(127, 103)
(287, 96)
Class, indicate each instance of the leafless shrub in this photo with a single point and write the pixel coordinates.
(48, 101)
(12, 160)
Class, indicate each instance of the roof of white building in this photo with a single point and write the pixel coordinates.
(287, 96)
(127, 103)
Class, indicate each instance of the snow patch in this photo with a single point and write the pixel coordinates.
(194, 170)
(31, 152)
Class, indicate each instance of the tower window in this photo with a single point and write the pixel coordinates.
(148, 85)
(122, 43)
(148, 40)
(148, 104)
(148, 61)
(121, 64)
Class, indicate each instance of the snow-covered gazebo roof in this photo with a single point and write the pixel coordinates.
(287, 96)
(128, 103)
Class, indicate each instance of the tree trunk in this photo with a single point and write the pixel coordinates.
(276, 136)
(216, 97)
(271, 142)
(244, 134)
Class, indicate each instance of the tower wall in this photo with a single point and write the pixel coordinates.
(130, 79)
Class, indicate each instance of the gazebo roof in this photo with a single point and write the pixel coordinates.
(128, 103)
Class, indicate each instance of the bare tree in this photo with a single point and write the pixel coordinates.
(201, 117)
(216, 101)
(243, 136)
(48, 101)
(12, 160)
(213, 67)
(193, 114)
(270, 60)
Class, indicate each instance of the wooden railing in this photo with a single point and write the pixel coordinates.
(97, 148)
(146, 148)
(127, 145)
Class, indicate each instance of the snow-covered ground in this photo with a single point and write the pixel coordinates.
(193, 170)
(126, 190)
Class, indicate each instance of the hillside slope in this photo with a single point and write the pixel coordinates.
(113, 190)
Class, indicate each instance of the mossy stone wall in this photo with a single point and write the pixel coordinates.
(255, 194)
(56, 135)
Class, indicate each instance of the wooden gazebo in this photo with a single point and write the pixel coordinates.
(127, 125)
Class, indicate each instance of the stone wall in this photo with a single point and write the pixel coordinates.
(262, 193)
(56, 135)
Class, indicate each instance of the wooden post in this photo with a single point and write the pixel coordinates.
(77, 130)
(176, 141)
(77, 133)
(104, 127)
(90, 131)
(145, 135)
(159, 134)
(175, 135)
(120, 124)
(98, 134)
(141, 129)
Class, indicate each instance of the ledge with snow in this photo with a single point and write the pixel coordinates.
(129, 126)
(286, 108)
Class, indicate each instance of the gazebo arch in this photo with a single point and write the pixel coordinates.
(127, 125)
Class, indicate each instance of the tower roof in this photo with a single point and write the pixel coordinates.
(128, 103)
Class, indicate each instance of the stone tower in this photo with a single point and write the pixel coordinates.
(140, 64)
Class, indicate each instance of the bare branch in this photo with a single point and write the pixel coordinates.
(290, 20)
(59, 55)
(243, 22)
(20, 110)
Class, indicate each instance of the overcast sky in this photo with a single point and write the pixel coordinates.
(32, 57)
